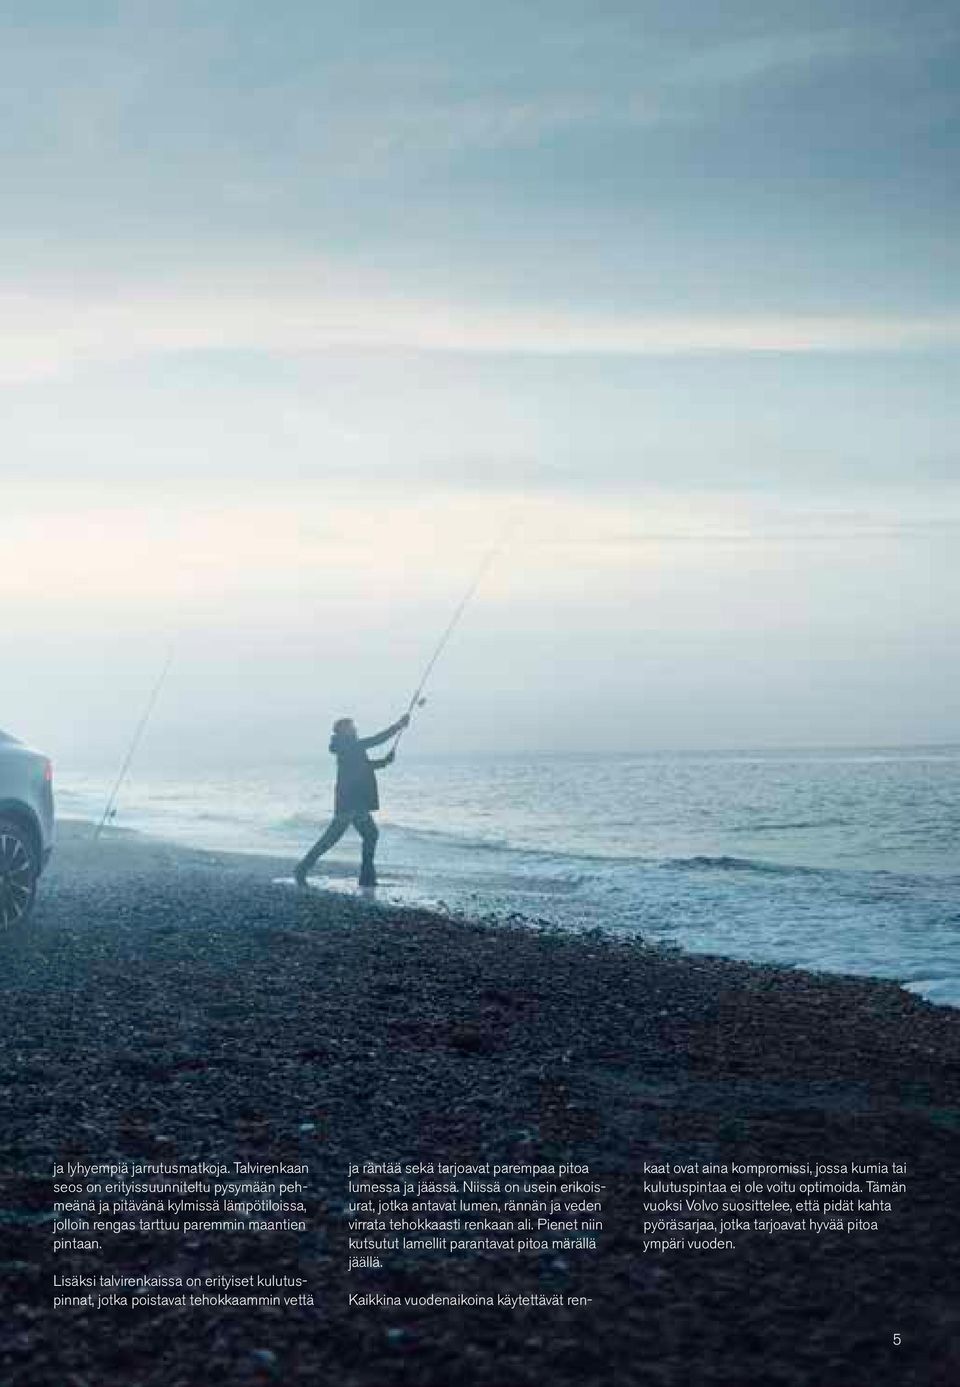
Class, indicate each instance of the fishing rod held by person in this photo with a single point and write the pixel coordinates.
(418, 701)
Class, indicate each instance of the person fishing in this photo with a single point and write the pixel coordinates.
(356, 796)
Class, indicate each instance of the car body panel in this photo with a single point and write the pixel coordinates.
(26, 792)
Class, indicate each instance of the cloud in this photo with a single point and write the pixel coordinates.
(47, 335)
(366, 136)
(756, 57)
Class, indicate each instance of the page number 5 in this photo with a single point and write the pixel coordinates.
(896, 1338)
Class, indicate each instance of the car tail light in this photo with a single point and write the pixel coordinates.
(48, 772)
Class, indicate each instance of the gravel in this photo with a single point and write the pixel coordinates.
(169, 1004)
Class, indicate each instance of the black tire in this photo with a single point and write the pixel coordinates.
(19, 870)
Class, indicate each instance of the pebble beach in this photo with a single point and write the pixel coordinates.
(173, 1004)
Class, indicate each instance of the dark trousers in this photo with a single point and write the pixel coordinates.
(369, 833)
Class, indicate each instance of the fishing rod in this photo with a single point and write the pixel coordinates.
(110, 808)
(417, 700)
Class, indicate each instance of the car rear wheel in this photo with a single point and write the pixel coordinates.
(18, 874)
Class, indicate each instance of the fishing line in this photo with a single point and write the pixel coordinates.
(111, 805)
(485, 564)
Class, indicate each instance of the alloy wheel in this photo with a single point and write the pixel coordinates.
(18, 877)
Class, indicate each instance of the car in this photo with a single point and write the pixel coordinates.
(26, 827)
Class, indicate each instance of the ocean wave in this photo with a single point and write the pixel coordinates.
(298, 821)
(459, 842)
(789, 825)
(465, 840)
(724, 863)
(209, 816)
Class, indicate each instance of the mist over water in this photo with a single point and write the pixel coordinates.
(841, 861)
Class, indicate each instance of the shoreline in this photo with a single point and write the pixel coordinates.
(144, 846)
(170, 1004)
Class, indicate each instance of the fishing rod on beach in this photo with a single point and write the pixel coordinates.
(111, 806)
(417, 700)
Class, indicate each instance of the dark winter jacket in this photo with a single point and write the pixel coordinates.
(356, 791)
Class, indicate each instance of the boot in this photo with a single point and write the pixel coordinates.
(368, 876)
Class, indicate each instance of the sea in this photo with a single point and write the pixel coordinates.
(843, 861)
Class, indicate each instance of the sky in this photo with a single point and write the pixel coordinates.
(306, 306)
